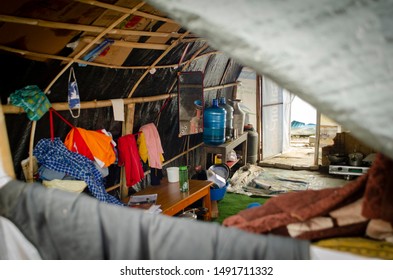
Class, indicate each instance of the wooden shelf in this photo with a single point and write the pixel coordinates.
(224, 149)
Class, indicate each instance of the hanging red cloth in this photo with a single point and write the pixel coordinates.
(129, 158)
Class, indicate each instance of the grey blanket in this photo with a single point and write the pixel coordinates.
(64, 225)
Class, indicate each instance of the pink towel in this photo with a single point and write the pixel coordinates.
(153, 144)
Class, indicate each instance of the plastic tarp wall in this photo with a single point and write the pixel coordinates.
(335, 54)
(98, 83)
(275, 118)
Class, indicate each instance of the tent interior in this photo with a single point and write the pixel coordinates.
(138, 58)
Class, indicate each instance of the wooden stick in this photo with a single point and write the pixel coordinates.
(105, 31)
(30, 171)
(99, 36)
(225, 73)
(111, 66)
(156, 61)
(259, 115)
(125, 10)
(182, 154)
(235, 84)
(317, 138)
(6, 161)
(86, 28)
(63, 106)
(126, 44)
(112, 188)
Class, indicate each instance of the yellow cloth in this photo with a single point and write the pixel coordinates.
(360, 246)
(142, 148)
(66, 185)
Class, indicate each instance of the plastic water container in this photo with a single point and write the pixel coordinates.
(214, 119)
(229, 117)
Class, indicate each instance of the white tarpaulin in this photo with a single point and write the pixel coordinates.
(335, 54)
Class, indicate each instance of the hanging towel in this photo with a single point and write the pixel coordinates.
(95, 145)
(54, 155)
(33, 101)
(151, 139)
(129, 158)
(118, 109)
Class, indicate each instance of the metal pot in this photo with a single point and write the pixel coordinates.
(337, 158)
(355, 159)
(193, 213)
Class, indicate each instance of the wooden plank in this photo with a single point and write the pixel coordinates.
(6, 159)
(125, 10)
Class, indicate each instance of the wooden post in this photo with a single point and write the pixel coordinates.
(128, 125)
(5, 152)
(30, 171)
(259, 115)
(317, 138)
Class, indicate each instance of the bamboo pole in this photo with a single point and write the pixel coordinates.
(5, 152)
(188, 63)
(182, 154)
(163, 164)
(235, 84)
(63, 106)
(30, 171)
(317, 139)
(102, 34)
(125, 10)
(125, 44)
(128, 129)
(86, 28)
(99, 36)
(224, 74)
(259, 115)
(111, 66)
(155, 62)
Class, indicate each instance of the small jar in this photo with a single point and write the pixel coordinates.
(183, 178)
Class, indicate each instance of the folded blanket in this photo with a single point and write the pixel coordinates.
(296, 212)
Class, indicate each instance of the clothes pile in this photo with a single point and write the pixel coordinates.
(362, 207)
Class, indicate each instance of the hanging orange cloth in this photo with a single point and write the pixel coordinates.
(93, 144)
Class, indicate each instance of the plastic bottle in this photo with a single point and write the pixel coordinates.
(183, 179)
(229, 117)
(214, 119)
(239, 116)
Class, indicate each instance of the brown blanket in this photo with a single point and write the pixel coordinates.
(375, 187)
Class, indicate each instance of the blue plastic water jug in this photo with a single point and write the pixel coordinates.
(214, 119)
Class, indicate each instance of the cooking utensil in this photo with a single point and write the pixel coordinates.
(355, 159)
(337, 158)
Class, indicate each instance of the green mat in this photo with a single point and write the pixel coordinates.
(232, 203)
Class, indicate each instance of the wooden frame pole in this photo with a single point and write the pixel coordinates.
(5, 152)
(86, 28)
(155, 63)
(125, 10)
(68, 59)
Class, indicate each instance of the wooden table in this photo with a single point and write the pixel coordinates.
(173, 201)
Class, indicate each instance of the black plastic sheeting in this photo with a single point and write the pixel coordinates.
(98, 83)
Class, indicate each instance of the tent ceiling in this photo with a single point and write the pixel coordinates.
(337, 55)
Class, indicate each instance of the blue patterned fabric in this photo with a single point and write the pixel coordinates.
(54, 155)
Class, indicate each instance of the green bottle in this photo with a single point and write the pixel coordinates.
(183, 178)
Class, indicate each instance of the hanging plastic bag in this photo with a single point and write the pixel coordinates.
(33, 101)
(73, 94)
